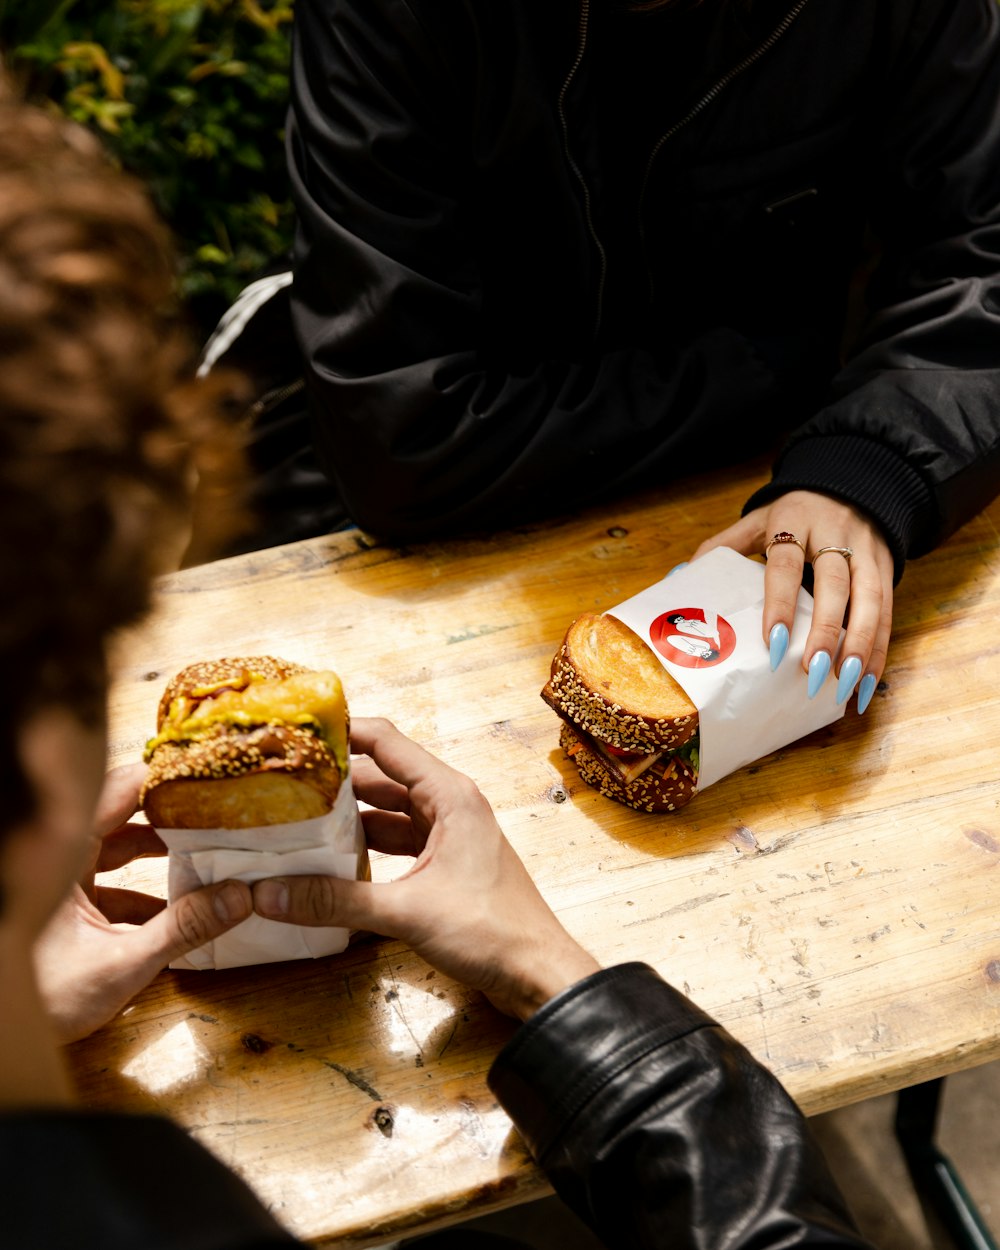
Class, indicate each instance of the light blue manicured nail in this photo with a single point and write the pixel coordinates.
(778, 641)
(850, 671)
(819, 670)
(683, 565)
(865, 692)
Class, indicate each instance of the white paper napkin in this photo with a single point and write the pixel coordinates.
(703, 623)
(333, 844)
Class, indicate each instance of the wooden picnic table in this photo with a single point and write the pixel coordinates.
(836, 905)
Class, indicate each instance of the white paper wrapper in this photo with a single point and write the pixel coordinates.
(333, 844)
(703, 623)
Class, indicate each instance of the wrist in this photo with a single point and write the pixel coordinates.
(551, 971)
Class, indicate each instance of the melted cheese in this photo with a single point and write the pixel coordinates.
(627, 764)
(311, 700)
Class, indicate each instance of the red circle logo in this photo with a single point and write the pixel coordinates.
(692, 637)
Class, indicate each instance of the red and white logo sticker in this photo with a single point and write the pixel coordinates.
(693, 637)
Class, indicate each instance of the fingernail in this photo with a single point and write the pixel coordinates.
(819, 669)
(683, 565)
(778, 641)
(229, 903)
(865, 692)
(850, 671)
(271, 897)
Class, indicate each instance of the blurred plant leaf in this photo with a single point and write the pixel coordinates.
(190, 95)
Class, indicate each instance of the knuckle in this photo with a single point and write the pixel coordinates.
(838, 578)
(825, 637)
(466, 788)
(371, 728)
(868, 586)
(468, 797)
(860, 640)
(318, 901)
(781, 608)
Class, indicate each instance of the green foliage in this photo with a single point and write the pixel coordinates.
(189, 96)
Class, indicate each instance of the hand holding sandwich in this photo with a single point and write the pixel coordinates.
(104, 945)
(467, 905)
(852, 585)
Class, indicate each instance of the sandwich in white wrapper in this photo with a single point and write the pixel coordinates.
(249, 777)
(672, 690)
(333, 845)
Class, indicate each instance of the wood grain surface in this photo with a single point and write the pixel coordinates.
(836, 905)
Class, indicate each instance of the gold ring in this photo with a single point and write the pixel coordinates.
(783, 536)
(846, 552)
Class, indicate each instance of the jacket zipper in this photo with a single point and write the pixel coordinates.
(602, 256)
(699, 107)
(271, 399)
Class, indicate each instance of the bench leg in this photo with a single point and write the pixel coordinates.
(934, 1176)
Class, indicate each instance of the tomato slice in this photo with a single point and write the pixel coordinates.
(622, 754)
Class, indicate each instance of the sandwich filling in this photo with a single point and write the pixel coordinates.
(664, 784)
(311, 701)
(627, 766)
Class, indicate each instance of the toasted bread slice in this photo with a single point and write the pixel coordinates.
(626, 765)
(248, 802)
(666, 785)
(235, 778)
(608, 682)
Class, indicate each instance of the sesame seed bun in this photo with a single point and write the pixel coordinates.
(606, 681)
(246, 742)
(666, 785)
(213, 676)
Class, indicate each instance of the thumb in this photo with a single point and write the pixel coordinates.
(320, 900)
(194, 919)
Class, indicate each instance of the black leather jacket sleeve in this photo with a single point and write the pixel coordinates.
(652, 1123)
(659, 1129)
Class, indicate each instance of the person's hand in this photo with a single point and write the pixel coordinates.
(104, 945)
(860, 586)
(467, 905)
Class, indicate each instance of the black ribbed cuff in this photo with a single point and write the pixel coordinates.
(864, 473)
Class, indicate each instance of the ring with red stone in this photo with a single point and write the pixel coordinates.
(783, 536)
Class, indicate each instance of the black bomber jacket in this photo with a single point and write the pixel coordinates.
(652, 1123)
(550, 251)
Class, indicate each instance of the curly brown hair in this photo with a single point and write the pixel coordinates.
(102, 432)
